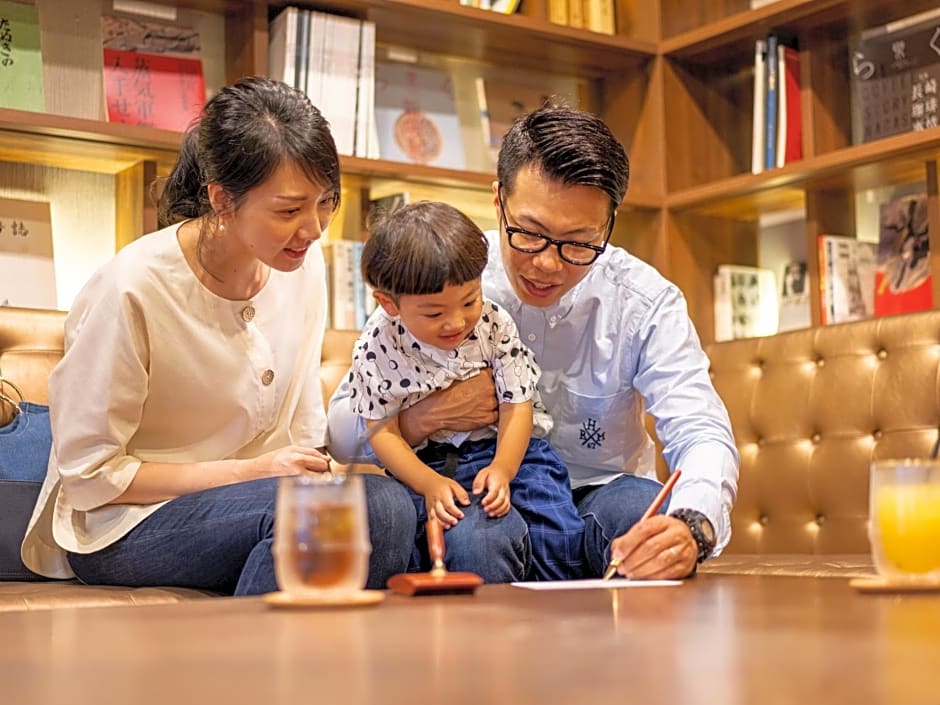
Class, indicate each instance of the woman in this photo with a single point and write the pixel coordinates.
(190, 379)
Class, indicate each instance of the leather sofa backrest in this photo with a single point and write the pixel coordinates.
(30, 346)
(31, 343)
(810, 410)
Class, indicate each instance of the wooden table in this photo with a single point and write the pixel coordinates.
(717, 639)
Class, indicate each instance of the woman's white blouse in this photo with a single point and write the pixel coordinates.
(159, 369)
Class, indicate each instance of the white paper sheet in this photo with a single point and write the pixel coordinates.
(596, 584)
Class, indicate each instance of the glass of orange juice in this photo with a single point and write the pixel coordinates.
(904, 526)
(321, 536)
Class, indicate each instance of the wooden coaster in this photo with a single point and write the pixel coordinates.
(884, 585)
(359, 598)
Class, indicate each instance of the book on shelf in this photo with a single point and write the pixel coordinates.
(416, 116)
(302, 58)
(846, 278)
(333, 78)
(381, 206)
(593, 15)
(771, 95)
(21, 84)
(789, 114)
(777, 130)
(745, 302)
(152, 73)
(349, 307)
(599, 15)
(283, 37)
(558, 11)
(903, 279)
(505, 7)
(576, 17)
(330, 58)
(367, 138)
(895, 71)
(794, 297)
(759, 131)
(27, 267)
(500, 103)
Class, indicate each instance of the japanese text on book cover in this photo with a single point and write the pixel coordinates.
(152, 73)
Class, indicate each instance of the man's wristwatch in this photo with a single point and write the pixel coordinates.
(702, 531)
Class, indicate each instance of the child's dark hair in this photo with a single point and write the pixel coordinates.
(420, 248)
(244, 134)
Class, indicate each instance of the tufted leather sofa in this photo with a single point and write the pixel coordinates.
(810, 410)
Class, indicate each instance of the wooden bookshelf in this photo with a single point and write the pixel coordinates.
(80, 144)
(675, 83)
(713, 203)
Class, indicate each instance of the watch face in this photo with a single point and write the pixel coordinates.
(708, 531)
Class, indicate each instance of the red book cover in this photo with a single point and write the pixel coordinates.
(152, 90)
(902, 278)
(793, 151)
(152, 73)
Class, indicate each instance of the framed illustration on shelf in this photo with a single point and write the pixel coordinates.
(902, 278)
(27, 268)
(416, 116)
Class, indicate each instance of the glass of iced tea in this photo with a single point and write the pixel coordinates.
(321, 536)
(904, 519)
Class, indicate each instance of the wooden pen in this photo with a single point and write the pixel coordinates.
(650, 511)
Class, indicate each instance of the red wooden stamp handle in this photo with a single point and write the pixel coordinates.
(435, 540)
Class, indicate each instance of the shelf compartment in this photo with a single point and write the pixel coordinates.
(893, 160)
(515, 40)
(82, 145)
(719, 30)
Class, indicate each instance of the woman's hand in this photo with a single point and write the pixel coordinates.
(290, 460)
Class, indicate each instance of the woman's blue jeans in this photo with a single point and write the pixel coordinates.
(220, 539)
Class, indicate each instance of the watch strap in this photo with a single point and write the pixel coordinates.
(694, 520)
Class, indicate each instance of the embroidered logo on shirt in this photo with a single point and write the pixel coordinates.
(591, 436)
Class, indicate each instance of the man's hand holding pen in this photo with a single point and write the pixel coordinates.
(658, 548)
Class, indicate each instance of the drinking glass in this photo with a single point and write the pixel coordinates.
(904, 513)
(321, 536)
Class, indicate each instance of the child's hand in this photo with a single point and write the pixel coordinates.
(495, 480)
(441, 498)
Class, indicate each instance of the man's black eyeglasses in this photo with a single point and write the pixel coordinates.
(580, 253)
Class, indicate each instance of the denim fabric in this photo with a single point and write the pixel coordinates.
(24, 454)
(25, 443)
(609, 511)
(540, 492)
(17, 499)
(496, 549)
(220, 539)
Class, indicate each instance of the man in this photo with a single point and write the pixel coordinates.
(610, 333)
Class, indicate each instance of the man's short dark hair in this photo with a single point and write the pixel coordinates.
(568, 145)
